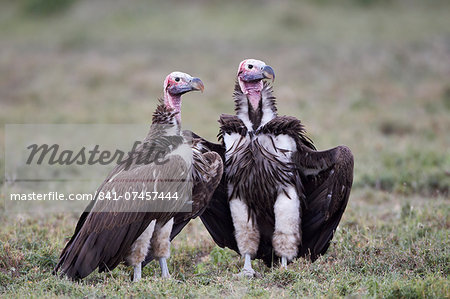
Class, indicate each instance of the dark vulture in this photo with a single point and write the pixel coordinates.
(279, 198)
(166, 162)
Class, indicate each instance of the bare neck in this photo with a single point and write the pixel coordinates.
(173, 102)
(256, 107)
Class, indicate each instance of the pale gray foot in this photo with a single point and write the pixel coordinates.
(164, 269)
(247, 271)
(137, 272)
(283, 262)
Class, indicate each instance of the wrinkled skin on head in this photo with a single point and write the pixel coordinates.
(250, 74)
(175, 85)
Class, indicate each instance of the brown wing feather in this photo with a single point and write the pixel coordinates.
(85, 214)
(104, 238)
(208, 170)
(161, 116)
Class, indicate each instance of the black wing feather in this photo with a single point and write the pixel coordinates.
(217, 215)
(327, 194)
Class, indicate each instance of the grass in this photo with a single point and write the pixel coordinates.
(373, 75)
(377, 252)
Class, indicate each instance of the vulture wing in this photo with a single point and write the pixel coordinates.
(104, 235)
(217, 215)
(208, 170)
(217, 218)
(327, 178)
(161, 115)
(85, 214)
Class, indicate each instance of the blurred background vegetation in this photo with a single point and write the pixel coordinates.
(371, 74)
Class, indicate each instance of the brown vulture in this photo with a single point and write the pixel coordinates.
(279, 198)
(109, 232)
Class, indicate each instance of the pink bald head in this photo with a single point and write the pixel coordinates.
(250, 74)
(175, 85)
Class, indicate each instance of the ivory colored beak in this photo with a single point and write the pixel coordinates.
(197, 84)
(268, 73)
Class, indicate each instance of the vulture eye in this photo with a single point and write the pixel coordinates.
(177, 79)
(250, 66)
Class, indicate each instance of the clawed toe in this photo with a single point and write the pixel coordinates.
(248, 273)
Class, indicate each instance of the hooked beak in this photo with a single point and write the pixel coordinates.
(197, 84)
(193, 84)
(266, 73)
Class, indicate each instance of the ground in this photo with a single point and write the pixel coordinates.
(373, 75)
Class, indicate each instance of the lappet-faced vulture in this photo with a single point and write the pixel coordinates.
(280, 198)
(166, 163)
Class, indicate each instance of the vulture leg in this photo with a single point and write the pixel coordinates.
(139, 250)
(164, 269)
(137, 272)
(246, 233)
(283, 262)
(247, 271)
(286, 236)
(161, 245)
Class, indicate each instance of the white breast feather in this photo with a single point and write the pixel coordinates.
(243, 115)
(231, 141)
(282, 146)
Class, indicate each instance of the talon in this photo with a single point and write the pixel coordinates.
(247, 271)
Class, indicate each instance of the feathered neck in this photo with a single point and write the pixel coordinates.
(165, 119)
(255, 118)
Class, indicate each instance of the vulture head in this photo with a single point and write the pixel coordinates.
(175, 85)
(250, 74)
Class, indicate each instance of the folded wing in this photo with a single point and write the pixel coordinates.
(105, 232)
(207, 174)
